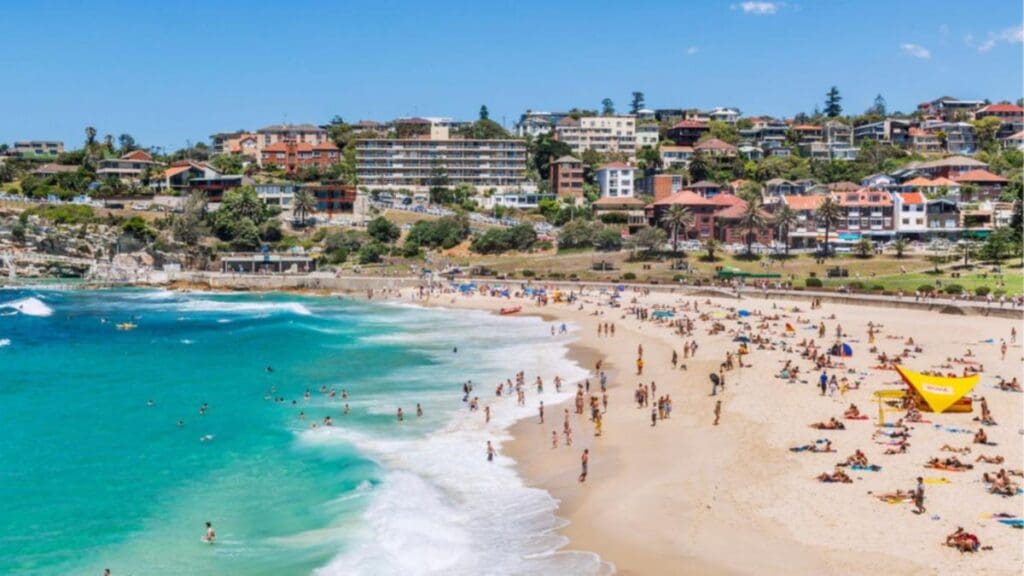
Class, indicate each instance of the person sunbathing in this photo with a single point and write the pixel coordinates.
(1011, 386)
(894, 497)
(900, 448)
(948, 448)
(836, 476)
(852, 412)
(819, 446)
(989, 459)
(952, 464)
(963, 541)
(980, 437)
(832, 424)
(858, 458)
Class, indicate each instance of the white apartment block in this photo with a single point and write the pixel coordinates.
(615, 180)
(599, 133)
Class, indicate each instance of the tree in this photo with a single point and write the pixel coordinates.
(785, 218)
(985, 131)
(608, 240)
(438, 182)
(699, 167)
(878, 107)
(637, 104)
(864, 247)
(187, 227)
(677, 218)
(749, 191)
(832, 100)
(900, 246)
(303, 204)
(126, 143)
(90, 136)
(752, 219)
(711, 246)
(383, 230)
(607, 107)
(544, 149)
(137, 228)
(648, 239)
(966, 248)
(829, 213)
(577, 234)
(484, 114)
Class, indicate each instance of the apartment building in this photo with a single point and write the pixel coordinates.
(950, 109)
(615, 180)
(959, 136)
(687, 132)
(599, 133)
(294, 156)
(659, 186)
(1011, 117)
(37, 148)
(806, 231)
(867, 212)
(890, 130)
(673, 156)
(304, 133)
(647, 135)
(414, 163)
(566, 177)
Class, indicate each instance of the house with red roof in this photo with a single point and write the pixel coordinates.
(1014, 141)
(127, 168)
(715, 148)
(1011, 117)
(717, 217)
(910, 210)
(806, 231)
(632, 208)
(687, 132)
(923, 141)
(979, 184)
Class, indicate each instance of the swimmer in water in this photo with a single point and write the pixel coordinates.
(419, 410)
(210, 534)
(149, 402)
(181, 423)
(346, 410)
(270, 369)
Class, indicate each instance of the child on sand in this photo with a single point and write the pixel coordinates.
(718, 411)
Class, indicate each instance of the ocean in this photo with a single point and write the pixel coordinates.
(109, 459)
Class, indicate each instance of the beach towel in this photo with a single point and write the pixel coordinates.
(1012, 522)
(870, 468)
(945, 468)
(861, 417)
(936, 480)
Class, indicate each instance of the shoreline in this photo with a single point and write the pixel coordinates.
(714, 515)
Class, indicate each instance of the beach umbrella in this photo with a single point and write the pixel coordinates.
(743, 339)
(744, 313)
(790, 328)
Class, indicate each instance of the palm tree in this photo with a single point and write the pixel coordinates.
(752, 219)
(676, 218)
(829, 214)
(90, 136)
(784, 220)
(711, 246)
(943, 138)
(900, 246)
(305, 203)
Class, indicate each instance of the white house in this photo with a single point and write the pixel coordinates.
(616, 180)
(910, 213)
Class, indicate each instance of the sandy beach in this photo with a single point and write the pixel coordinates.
(687, 497)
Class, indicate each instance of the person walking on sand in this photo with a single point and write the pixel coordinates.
(584, 461)
(1003, 349)
(487, 414)
(823, 383)
(919, 497)
(540, 411)
(639, 366)
(654, 415)
(490, 452)
(554, 438)
(718, 411)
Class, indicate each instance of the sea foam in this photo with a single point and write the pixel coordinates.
(28, 306)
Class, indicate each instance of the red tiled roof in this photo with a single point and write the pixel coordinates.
(1003, 108)
(615, 166)
(175, 170)
(613, 201)
(912, 197)
(919, 181)
(944, 182)
(684, 197)
(727, 200)
(863, 197)
(276, 147)
(325, 146)
(667, 148)
(714, 144)
(806, 127)
(137, 155)
(691, 124)
(979, 176)
(803, 202)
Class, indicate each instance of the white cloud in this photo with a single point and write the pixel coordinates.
(758, 8)
(692, 50)
(1009, 36)
(915, 50)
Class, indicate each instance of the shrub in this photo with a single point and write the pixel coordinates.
(64, 214)
(337, 256)
(411, 250)
(678, 278)
(877, 288)
(999, 293)
(954, 289)
(608, 241)
(629, 276)
(982, 290)
(371, 253)
(497, 240)
(855, 285)
(444, 232)
(614, 218)
(527, 273)
(813, 283)
(383, 230)
(556, 275)
(926, 288)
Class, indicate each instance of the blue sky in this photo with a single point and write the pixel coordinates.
(168, 72)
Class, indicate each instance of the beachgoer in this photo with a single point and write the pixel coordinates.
(490, 452)
(210, 534)
(584, 461)
(718, 411)
(919, 497)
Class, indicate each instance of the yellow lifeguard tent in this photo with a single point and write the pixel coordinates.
(939, 392)
(883, 397)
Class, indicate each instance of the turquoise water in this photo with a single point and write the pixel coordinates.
(93, 476)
